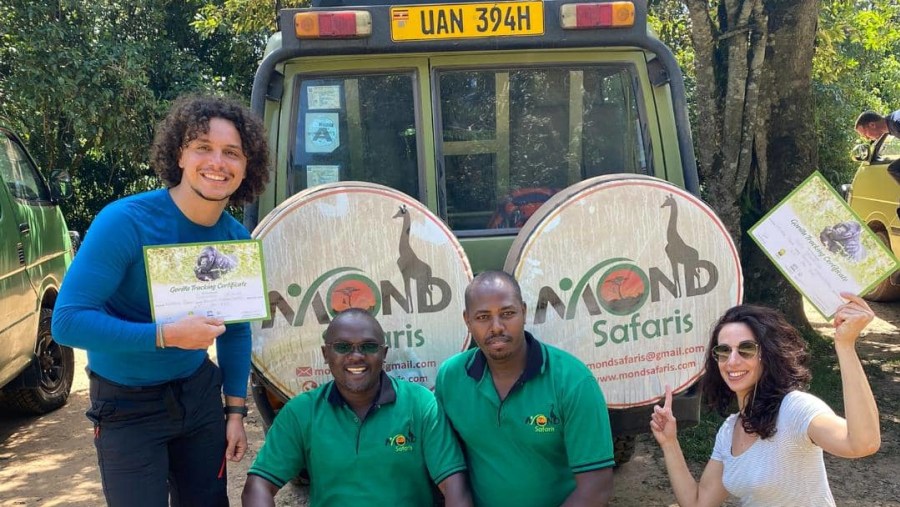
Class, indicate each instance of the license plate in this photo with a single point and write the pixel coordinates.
(466, 21)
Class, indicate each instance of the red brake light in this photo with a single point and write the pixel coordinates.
(597, 15)
(332, 24)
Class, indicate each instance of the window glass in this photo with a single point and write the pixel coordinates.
(359, 127)
(510, 138)
(19, 174)
(890, 148)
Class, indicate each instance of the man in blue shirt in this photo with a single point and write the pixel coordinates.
(156, 398)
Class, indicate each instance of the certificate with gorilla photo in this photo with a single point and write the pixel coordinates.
(822, 246)
(224, 280)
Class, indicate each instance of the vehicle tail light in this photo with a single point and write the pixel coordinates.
(597, 15)
(332, 24)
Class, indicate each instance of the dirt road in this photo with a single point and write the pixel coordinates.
(50, 460)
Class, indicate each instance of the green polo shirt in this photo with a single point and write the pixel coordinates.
(389, 458)
(526, 450)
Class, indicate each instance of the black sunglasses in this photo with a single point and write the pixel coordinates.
(365, 348)
(748, 349)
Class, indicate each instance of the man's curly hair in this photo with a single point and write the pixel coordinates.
(782, 357)
(188, 119)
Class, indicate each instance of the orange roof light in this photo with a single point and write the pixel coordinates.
(332, 24)
(597, 15)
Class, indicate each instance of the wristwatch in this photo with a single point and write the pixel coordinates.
(236, 409)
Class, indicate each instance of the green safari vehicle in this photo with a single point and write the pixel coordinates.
(480, 110)
(36, 248)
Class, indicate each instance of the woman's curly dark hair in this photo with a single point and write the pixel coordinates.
(783, 357)
(188, 119)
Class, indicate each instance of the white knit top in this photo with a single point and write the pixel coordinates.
(786, 469)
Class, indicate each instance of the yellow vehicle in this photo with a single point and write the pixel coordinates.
(874, 196)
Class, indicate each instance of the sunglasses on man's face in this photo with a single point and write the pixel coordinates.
(747, 349)
(365, 348)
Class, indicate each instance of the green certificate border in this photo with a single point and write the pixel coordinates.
(870, 239)
(177, 268)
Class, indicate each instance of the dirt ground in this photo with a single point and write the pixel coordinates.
(50, 460)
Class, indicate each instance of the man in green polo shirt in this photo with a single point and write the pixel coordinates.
(532, 419)
(365, 437)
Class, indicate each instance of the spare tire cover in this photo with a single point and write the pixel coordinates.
(367, 246)
(629, 274)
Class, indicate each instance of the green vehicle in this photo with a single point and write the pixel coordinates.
(36, 248)
(481, 111)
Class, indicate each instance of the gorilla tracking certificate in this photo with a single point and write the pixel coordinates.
(224, 280)
(822, 246)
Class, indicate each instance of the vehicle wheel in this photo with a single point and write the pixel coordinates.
(57, 368)
(884, 291)
(623, 449)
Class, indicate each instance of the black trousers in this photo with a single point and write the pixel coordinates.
(161, 441)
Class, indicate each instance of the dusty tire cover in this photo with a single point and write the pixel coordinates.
(344, 244)
(595, 263)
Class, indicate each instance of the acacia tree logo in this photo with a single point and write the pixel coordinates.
(353, 291)
(623, 289)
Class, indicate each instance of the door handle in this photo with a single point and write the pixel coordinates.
(24, 228)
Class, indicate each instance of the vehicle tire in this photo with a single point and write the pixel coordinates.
(57, 369)
(623, 449)
(884, 291)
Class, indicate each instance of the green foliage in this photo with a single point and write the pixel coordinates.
(856, 68)
(85, 83)
(241, 17)
(697, 441)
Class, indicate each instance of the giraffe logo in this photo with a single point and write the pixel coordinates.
(411, 266)
(682, 254)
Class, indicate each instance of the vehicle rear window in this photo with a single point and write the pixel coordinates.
(512, 137)
(356, 127)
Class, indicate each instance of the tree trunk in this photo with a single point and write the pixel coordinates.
(786, 149)
(753, 64)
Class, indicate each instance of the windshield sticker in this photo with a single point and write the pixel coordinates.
(324, 97)
(321, 174)
(322, 132)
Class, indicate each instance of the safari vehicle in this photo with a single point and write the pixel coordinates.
(35, 251)
(479, 110)
(875, 196)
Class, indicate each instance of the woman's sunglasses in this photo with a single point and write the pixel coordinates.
(364, 348)
(748, 349)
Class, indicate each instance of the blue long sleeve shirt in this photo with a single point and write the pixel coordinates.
(104, 303)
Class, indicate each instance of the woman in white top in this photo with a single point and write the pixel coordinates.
(770, 452)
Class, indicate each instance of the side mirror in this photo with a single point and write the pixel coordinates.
(860, 152)
(60, 185)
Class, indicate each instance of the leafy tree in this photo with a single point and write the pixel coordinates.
(752, 101)
(85, 82)
(856, 68)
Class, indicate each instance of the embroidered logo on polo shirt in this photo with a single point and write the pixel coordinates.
(543, 423)
(401, 442)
